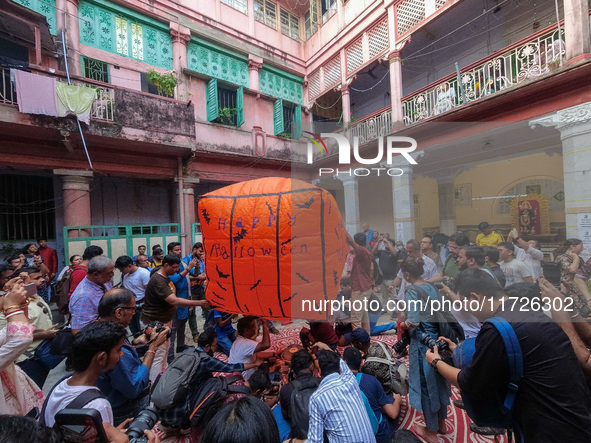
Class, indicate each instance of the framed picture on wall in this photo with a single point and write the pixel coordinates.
(533, 189)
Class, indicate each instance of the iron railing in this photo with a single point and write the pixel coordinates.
(535, 57)
(103, 108)
(372, 127)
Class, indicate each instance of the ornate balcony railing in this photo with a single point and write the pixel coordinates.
(529, 59)
(372, 127)
(103, 108)
(7, 93)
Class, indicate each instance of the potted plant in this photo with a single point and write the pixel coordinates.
(165, 83)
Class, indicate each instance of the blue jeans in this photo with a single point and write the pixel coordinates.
(225, 342)
(377, 330)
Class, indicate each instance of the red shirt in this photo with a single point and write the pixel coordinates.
(324, 332)
(77, 276)
(361, 272)
(49, 258)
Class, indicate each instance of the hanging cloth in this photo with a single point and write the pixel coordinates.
(35, 94)
(76, 100)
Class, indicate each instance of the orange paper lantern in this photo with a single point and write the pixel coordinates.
(275, 248)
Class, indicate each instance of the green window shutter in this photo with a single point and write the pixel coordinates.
(297, 122)
(278, 116)
(212, 100)
(239, 106)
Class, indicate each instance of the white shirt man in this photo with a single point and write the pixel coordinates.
(515, 270)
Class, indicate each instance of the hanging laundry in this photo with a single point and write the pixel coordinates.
(35, 94)
(76, 100)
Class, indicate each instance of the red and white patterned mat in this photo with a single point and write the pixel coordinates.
(458, 422)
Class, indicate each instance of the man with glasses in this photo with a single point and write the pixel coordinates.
(85, 299)
(450, 267)
(128, 385)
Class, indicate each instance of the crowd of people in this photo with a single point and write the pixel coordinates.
(122, 338)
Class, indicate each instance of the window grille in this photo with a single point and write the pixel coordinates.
(27, 208)
(290, 25)
(96, 69)
(236, 4)
(265, 12)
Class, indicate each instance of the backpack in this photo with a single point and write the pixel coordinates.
(62, 290)
(174, 385)
(373, 420)
(299, 406)
(488, 413)
(79, 402)
(446, 323)
(390, 372)
(209, 398)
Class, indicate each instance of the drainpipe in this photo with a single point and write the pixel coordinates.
(181, 184)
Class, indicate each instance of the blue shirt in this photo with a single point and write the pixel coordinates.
(127, 381)
(337, 409)
(226, 330)
(182, 288)
(376, 396)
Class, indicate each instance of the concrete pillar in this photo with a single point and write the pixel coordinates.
(447, 205)
(76, 189)
(352, 217)
(254, 64)
(190, 210)
(396, 88)
(574, 125)
(404, 208)
(67, 19)
(346, 100)
(576, 29)
(181, 36)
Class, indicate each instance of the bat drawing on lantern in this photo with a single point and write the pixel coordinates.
(220, 273)
(217, 296)
(205, 215)
(289, 298)
(307, 204)
(288, 240)
(221, 287)
(302, 277)
(335, 276)
(255, 285)
(240, 235)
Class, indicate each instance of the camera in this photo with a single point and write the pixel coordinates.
(400, 346)
(447, 281)
(441, 345)
(145, 420)
(155, 326)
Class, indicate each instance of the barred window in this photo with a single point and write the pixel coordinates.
(265, 12)
(311, 19)
(27, 207)
(236, 4)
(95, 69)
(290, 25)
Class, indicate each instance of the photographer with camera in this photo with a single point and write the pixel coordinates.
(160, 305)
(551, 401)
(429, 392)
(128, 385)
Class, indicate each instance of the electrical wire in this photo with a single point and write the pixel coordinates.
(331, 106)
(369, 89)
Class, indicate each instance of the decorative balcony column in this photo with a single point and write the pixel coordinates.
(254, 64)
(396, 88)
(181, 36)
(576, 30)
(67, 19)
(351, 189)
(574, 125)
(76, 189)
(346, 101)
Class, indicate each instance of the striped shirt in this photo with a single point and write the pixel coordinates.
(337, 408)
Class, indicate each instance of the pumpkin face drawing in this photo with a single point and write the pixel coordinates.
(275, 248)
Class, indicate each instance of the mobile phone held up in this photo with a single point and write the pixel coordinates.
(31, 289)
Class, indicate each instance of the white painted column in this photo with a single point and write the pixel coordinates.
(404, 209)
(574, 125)
(352, 216)
(576, 29)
